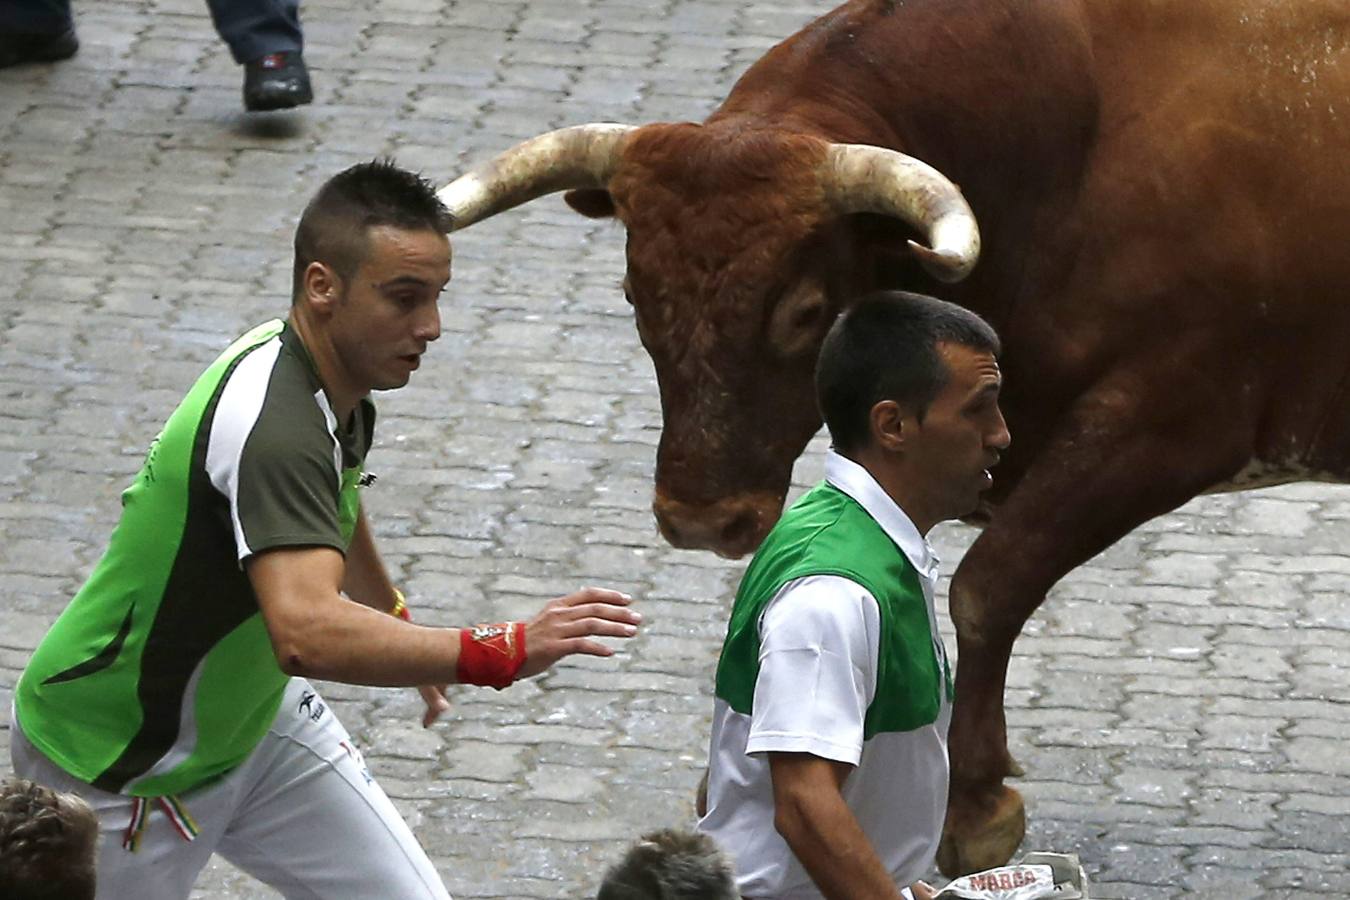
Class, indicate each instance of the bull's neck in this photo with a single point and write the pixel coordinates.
(954, 83)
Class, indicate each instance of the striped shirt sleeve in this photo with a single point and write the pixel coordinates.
(272, 455)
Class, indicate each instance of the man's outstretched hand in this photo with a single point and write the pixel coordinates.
(433, 695)
(565, 626)
(570, 624)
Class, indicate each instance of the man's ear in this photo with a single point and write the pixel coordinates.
(322, 286)
(890, 424)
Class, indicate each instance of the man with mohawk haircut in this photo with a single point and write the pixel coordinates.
(172, 693)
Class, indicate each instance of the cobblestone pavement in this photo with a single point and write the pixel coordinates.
(1180, 703)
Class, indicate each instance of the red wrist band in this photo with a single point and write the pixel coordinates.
(491, 655)
(400, 607)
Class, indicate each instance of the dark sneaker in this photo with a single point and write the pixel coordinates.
(276, 81)
(26, 48)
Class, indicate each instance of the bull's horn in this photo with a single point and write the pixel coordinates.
(862, 178)
(583, 156)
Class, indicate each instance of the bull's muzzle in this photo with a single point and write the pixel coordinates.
(731, 527)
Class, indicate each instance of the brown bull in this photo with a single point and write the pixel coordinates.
(1164, 195)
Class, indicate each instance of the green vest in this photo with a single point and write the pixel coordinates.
(827, 532)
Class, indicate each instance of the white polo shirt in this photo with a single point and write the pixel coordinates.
(819, 646)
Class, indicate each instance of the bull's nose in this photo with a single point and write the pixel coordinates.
(731, 527)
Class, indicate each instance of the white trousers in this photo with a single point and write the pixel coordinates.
(301, 814)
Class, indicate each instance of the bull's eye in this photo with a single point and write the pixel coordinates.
(806, 319)
(796, 322)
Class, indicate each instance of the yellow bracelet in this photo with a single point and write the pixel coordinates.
(400, 608)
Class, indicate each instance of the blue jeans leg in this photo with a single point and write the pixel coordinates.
(255, 28)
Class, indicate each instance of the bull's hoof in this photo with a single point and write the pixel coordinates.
(977, 840)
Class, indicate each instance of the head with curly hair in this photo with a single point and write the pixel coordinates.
(672, 864)
(48, 843)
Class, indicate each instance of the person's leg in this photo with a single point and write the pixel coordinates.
(264, 37)
(254, 28)
(36, 31)
(163, 864)
(314, 824)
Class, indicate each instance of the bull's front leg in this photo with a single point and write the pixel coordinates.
(985, 819)
(1110, 466)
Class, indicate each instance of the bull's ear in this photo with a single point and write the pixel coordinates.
(593, 203)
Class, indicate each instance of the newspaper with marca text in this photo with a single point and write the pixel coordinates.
(1057, 876)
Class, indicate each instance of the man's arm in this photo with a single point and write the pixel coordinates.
(316, 632)
(367, 581)
(822, 631)
(365, 578)
(811, 815)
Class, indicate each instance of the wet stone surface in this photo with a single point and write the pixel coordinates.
(1179, 702)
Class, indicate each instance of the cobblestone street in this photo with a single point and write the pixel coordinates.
(1180, 703)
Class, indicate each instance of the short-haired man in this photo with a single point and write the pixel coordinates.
(47, 844)
(171, 693)
(828, 763)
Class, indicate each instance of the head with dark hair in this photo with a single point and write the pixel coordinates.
(372, 258)
(334, 228)
(909, 387)
(886, 347)
(671, 865)
(48, 843)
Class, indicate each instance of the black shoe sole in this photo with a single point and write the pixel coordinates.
(277, 101)
(17, 49)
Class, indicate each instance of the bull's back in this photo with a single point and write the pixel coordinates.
(1230, 107)
(1217, 203)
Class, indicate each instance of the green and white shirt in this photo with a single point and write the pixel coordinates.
(159, 676)
(833, 649)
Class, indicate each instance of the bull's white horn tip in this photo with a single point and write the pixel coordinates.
(457, 195)
(944, 265)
